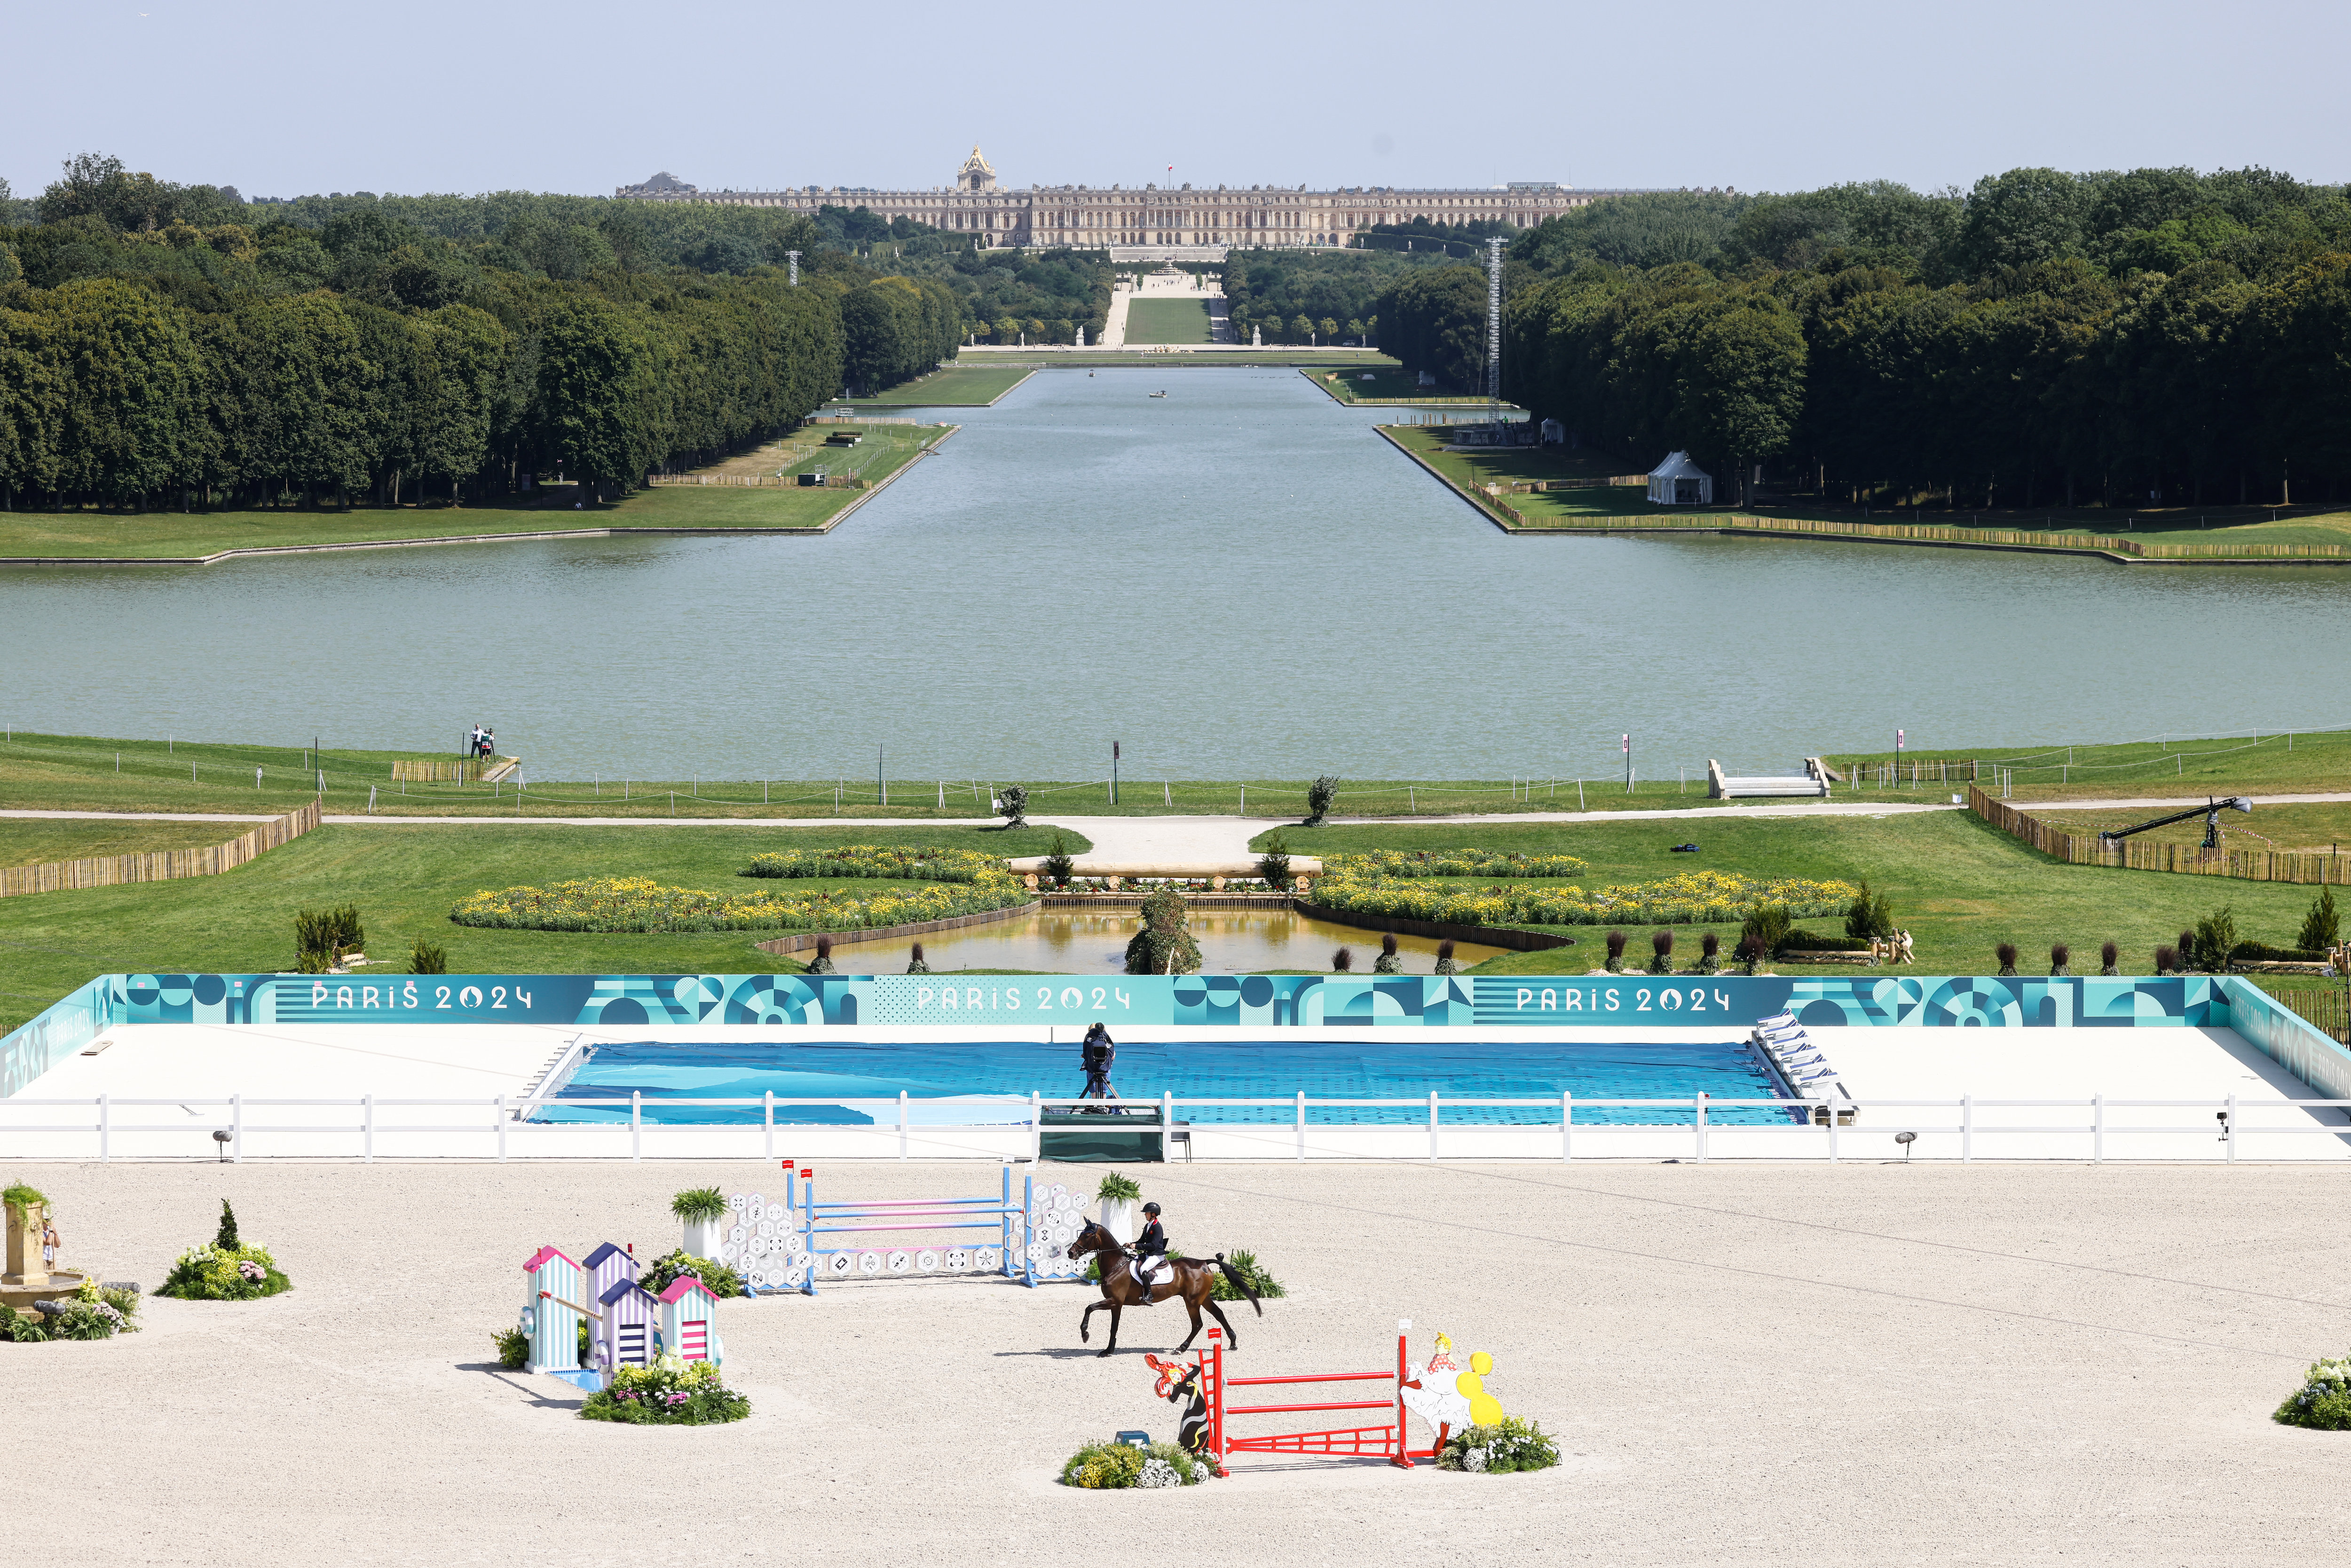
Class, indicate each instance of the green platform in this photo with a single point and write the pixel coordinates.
(1136, 1137)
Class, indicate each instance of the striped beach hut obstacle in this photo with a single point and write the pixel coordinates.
(687, 1308)
(551, 1310)
(632, 1317)
(794, 1244)
(607, 1266)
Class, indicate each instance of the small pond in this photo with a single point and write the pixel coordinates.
(1094, 942)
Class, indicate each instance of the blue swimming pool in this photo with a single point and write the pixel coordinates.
(854, 1083)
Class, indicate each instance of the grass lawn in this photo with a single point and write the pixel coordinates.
(1087, 359)
(1958, 886)
(1384, 386)
(31, 840)
(2294, 830)
(405, 880)
(1167, 321)
(885, 451)
(2162, 769)
(957, 386)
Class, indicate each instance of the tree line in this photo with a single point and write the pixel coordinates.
(150, 358)
(2153, 338)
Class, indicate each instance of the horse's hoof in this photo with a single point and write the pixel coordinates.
(1103, 1352)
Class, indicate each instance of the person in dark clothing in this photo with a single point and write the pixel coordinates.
(1097, 1054)
(1150, 1249)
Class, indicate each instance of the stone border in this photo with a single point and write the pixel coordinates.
(1438, 930)
(536, 534)
(799, 940)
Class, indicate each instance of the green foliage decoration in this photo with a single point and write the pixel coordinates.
(897, 863)
(2318, 927)
(225, 1237)
(217, 1273)
(428, 958)
(669, 1393)
(629, 905)
(698, 1203)
(665, 1270)
(1273, 864)
(1509, 1445)
(2216, 941)
(1109, 1466)
(1165, 945)
(1320, 795)
(2324, 1400)
(513, 1347)
(1059, 866)
(1118, 1188)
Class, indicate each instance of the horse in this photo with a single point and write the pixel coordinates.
(1193, 1282)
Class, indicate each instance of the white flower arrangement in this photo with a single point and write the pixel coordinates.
(1158, 1472)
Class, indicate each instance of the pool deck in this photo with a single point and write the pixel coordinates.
(184, 1065)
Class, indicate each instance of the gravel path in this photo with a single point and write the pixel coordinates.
(1863, 1364)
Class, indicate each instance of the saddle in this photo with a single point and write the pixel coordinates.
(1160, 1273)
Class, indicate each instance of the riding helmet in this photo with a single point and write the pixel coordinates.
(1150, 1208)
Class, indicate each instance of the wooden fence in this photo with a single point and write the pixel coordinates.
(162, 865)
(425, 770)
(755, 481)
(2327, 1011)
(2135, 854)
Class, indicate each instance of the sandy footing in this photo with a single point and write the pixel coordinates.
(1864, 1363)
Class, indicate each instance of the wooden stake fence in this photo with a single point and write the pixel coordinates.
(2135, 854)
(164, 865)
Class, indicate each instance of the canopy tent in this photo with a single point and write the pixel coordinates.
(1679, 482)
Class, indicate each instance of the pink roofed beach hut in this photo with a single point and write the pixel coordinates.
(607, 1266)
(551, 1310)
(687, 1311)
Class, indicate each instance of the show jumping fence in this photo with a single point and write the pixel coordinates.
(1385, 1441)
(787, 1246)
(161, 866)
(2138, 855)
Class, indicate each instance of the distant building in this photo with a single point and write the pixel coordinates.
(1093, 218)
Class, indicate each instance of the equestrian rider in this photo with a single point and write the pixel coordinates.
(1150, 1249)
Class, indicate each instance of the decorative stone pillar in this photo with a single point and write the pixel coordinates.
(26, 1271)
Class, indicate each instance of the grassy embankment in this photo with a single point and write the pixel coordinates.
(183, 535)
(1167, 321)
(405, 880)
(1601, 506)
(957, 386)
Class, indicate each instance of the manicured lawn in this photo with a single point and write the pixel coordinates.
(405, 880)
(2295, 829)
(2165, 767)
(884, 450)
(1958, 886)
(957, 386)
(1167, 321)
(31, 840)
(1355, 384)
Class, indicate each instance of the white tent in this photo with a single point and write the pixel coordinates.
(1679, 482)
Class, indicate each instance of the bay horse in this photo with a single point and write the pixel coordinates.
(1193, 1282)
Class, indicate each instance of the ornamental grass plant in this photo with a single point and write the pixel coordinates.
(639, 904)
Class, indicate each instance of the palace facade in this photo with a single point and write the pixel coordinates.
(1094, 218)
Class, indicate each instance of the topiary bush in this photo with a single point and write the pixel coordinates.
(2324, 1400)
(428, 958)
(1389, 962)
(321, 936)
(1508, 1445)
(1274, 863)
(1059, 866)
(1661, 952)
(1616, 961)
(2318, 927)
(1164, 945)
(1109, 1466)
(1319, 797)
(1012, 802)
(671, 1392)
(2216, 941)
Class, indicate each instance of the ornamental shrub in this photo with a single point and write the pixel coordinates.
(1802, 941)
(2318, 927)
(671, 1392)
(2216, 941)
(1274, 863)
(2263, 953)
(717, 1277)
(514, 1348)
(1509, 1445)
(1377, 884)
(703, 1203)
(2109, 959)
(1059, 866)
(2006, 953)
(898, 862)
(324, 936)
(636, 904)
(1319, 797)
(1868, 915)
(1246, 1265)
(428, 958)
(2324, 1400)
(218, 1273)
(1164, 945)
(1767, 924)
(1014, 802)
(1106, 1464)
(1388, 962)
(225, 1237)
(1661, 952)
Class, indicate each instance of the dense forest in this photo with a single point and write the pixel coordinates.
(1329, 294)
(175, 345)
(2159, 337)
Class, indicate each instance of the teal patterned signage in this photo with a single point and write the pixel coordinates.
(1254, 1001)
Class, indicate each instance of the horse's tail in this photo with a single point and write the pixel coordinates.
(1239, 1281)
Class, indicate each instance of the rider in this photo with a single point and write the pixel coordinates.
(1097, 1054)
(1150, 1249)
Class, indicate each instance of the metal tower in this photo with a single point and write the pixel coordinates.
(1494, 337)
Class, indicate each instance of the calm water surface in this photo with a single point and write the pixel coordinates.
(1241, 579)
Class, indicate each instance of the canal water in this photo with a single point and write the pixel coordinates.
(1241, 579)
(1094, 942)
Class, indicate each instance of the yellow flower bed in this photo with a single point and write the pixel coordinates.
(638, 905)
(1362, 885)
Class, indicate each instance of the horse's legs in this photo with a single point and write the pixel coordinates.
(1192, 1306)
(1230, 1337)
(1090, 1311)
(1113, 1345)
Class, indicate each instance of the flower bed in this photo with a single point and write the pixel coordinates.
(92, 1312)
(1458, 862)
(2324, 1400)
(669, 1392)
(638, 905)
(1508, 1445)
(1355, 884)
(218, 1273)
(918, 863)
(1101, 1465)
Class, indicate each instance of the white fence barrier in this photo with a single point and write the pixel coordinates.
(998, 1127)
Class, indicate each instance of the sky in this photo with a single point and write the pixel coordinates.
(281, 100)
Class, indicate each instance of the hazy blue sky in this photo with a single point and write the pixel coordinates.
(280, 99)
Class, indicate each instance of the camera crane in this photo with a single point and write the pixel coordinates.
(2210, 811)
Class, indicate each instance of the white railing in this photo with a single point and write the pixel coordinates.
(1820, 1129)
